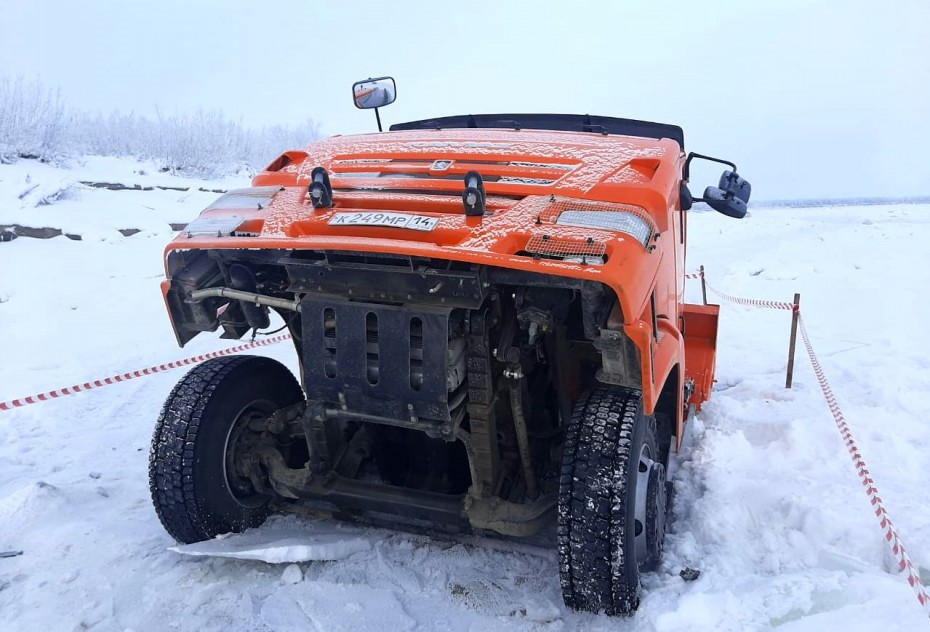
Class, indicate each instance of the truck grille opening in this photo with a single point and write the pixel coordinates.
(329, 342)
(373, 359)
(416, 353)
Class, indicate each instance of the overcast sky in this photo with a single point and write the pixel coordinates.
(810, 99)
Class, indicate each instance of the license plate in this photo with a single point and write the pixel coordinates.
(393, 220)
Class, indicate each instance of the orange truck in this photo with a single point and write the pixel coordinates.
(489, 321)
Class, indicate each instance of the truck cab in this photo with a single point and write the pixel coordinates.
(488, 316)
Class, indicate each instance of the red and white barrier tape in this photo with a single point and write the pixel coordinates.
(891, 534)
(86, 386)
(751, 302)
(741, 301)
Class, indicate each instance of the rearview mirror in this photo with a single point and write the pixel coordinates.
(735, 185)
(725, 202)
(374, 93)
(730, 198)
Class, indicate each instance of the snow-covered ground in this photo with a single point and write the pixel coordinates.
(768, 505)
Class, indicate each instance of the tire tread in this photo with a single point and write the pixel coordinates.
(173, 454)
(594, 575)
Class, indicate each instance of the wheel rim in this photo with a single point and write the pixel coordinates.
(649, 508)
(239, 485)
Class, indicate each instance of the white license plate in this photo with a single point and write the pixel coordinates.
(393, 220)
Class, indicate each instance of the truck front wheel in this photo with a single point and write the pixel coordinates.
(198, 487)
(612, 502)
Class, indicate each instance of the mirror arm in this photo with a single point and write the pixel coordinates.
(692, 155)
(378, 118)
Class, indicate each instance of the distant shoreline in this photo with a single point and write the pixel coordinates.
(818, 202)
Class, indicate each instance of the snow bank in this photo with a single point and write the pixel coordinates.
(38, 195)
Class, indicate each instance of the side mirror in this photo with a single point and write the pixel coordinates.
(725, 202)
(374, 93)
(730, 198)
(735, 185)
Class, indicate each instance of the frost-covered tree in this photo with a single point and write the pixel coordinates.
(32, 120)
(35, 122)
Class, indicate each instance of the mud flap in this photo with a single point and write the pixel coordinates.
(700, 333)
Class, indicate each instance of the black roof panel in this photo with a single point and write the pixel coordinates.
(557, 122)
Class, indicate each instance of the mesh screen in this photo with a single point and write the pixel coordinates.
(563, 248)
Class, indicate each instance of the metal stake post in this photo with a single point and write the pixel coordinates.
(703, 286)
(796, 314)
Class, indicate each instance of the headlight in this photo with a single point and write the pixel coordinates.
(619, 221)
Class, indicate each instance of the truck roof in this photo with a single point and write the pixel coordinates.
(554, 122)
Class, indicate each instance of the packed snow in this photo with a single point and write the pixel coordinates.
(767, 506)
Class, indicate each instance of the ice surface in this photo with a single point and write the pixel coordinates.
(319, 541)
